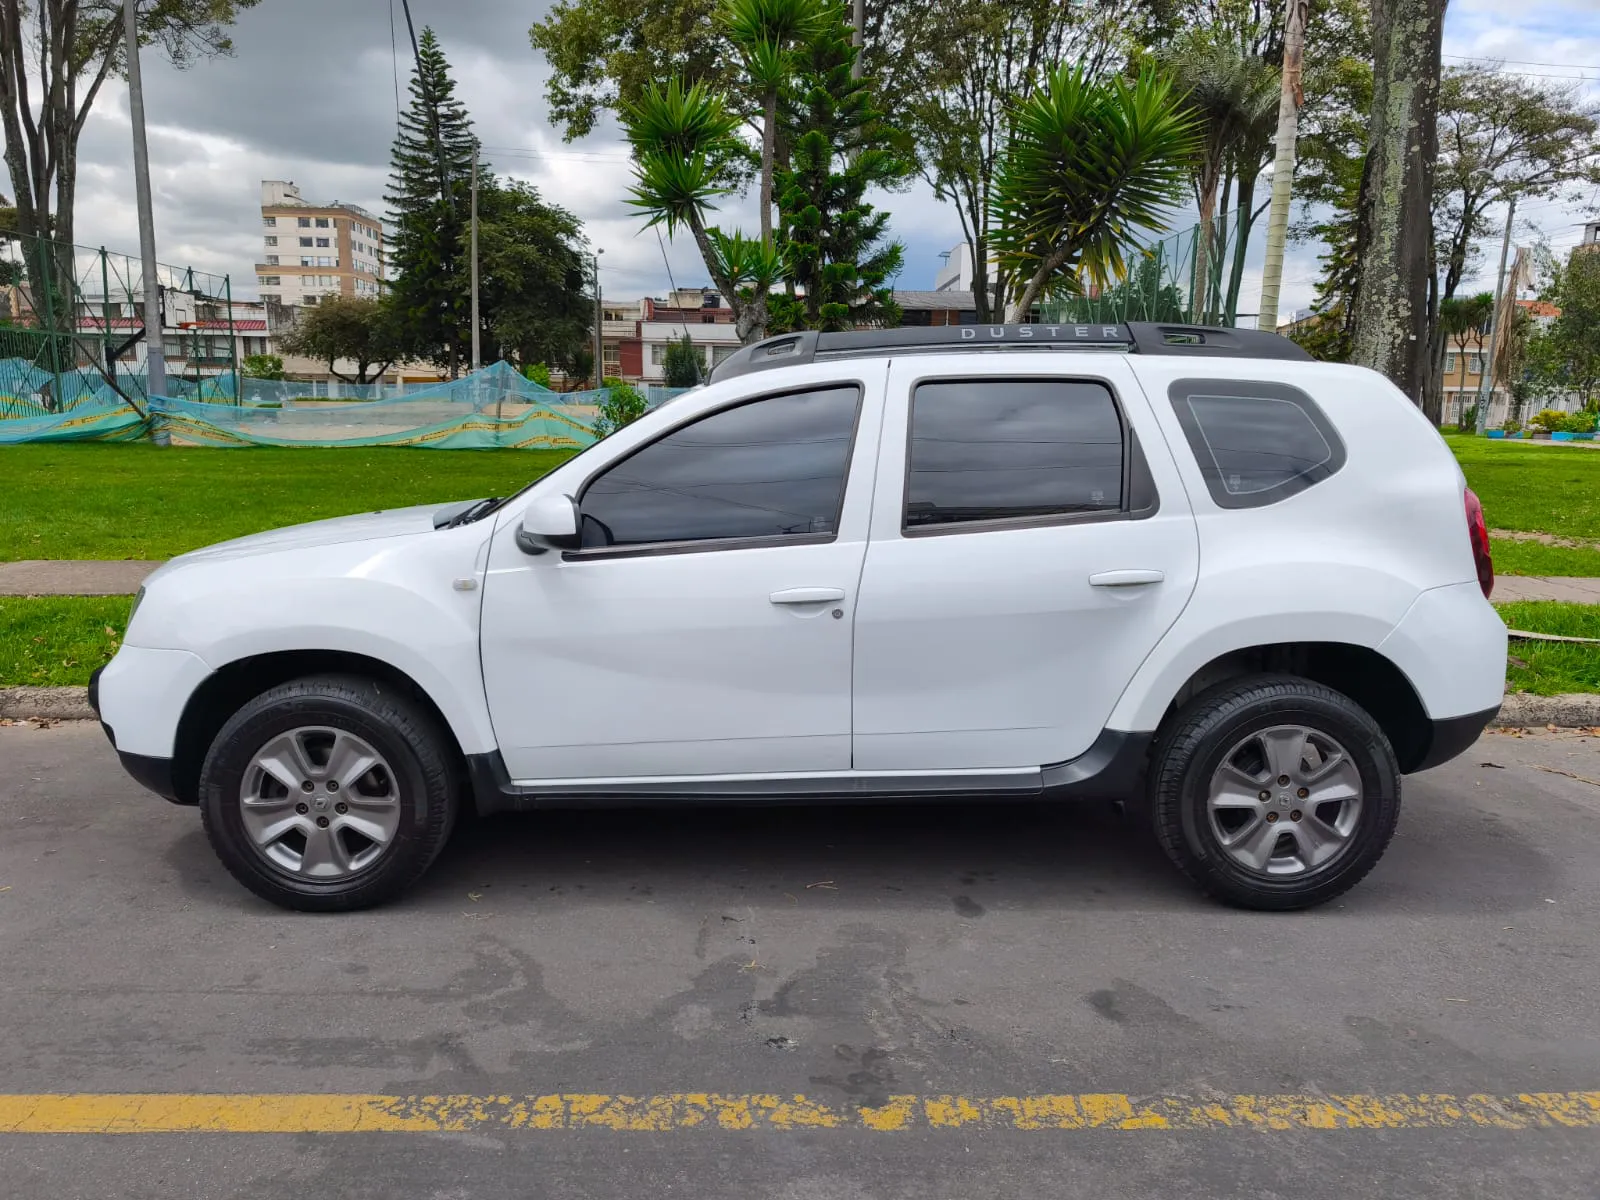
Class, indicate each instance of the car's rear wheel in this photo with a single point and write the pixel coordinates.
(328, 793)
(1274, 792)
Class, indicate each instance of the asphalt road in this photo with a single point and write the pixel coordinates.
(849, 956)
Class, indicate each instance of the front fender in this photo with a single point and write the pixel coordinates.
(399, 601)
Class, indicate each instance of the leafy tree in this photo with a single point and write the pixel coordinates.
(46, 95)
(531, 276)
(262, 366)
(959, 67)
(680, 365)
(1088, 164)
(538, 373)
(429, 182)
(357, 329)
(1500, 137)
(622, 405)
(1565, 358)
(832, 240)
(604, 55)
(1395, 230)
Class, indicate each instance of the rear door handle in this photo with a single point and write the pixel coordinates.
(807, 595)
(1114, 579)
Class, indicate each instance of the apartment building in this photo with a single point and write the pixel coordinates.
(309, 251)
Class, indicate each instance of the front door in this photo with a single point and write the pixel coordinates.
(704, 626)
(1029, 549)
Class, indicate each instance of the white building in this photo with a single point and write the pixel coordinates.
(309, 251)
(715, 342)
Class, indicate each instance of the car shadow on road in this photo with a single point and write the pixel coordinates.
(964, 857)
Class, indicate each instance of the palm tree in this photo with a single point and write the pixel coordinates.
(1091, 163)
(1459, 318)
(1232, 96)
(765, 34)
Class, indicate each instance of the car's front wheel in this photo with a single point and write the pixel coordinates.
(328, 793)
(1274, 792)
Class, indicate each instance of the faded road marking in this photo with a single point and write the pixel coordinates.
(354, 1113)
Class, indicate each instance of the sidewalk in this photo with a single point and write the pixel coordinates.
(1546, 587)
(73, 577)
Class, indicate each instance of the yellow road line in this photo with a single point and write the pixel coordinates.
(355, 1113)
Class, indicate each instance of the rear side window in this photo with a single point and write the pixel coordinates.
(1256, 443)
(1010, 449)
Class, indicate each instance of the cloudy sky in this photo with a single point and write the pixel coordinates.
(310, 96)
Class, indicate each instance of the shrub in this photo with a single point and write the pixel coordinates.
(1577, 422)
(680, 365)
(1469, 420)
(537, 373)
(262, 366)
(621, 405)
(1512, 425)
(1548, 419)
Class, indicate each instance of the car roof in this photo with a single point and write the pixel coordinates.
(1134, 337)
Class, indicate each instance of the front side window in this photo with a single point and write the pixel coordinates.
(1255, 443)
(770, 468)
(1011, 449)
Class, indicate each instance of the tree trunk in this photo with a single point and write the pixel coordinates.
(769, 134)
(1394, 236)
(1198, 305)
(749, 315)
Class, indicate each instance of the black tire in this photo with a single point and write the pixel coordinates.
(392, 723)
(1192, 746)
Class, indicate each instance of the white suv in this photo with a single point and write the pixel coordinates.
(1184, 566)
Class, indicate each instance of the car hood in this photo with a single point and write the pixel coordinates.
(363, 527)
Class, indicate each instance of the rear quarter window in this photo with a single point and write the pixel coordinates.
(1255, 443)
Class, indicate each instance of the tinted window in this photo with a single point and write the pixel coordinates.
(1256, 443)
(987, 449)
(770, 468)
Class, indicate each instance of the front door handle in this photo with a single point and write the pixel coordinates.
(807, 595)
(1114, 579)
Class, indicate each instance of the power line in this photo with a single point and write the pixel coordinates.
(1522, 62)
(581, 155)
(394, 62)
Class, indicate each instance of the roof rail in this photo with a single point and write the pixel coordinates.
(1138, 337)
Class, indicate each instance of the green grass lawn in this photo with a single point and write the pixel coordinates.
(138, 501)
(58, 640)
(1549, 668)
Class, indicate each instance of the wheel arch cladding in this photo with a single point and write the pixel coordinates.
(232, 686)
(1359, 672)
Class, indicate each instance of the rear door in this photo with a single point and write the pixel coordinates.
(1030, 544)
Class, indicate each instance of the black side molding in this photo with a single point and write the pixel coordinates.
(1111, 769)
(1453, 735)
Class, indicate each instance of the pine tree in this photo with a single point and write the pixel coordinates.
(428, 198)
(832, 240)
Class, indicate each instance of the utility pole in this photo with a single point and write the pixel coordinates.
(858, 34)
(477, 357)
(599, 322)
(1486, 381)
(155, 361)
(1290, 98)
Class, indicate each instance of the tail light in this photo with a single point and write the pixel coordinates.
(1480, 542)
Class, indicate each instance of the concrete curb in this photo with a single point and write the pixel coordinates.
(1573, 709)
(72, 704)
(45, 703)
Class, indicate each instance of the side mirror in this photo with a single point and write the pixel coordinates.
(549, 523)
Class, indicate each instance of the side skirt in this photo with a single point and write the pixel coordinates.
(1111, 769)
